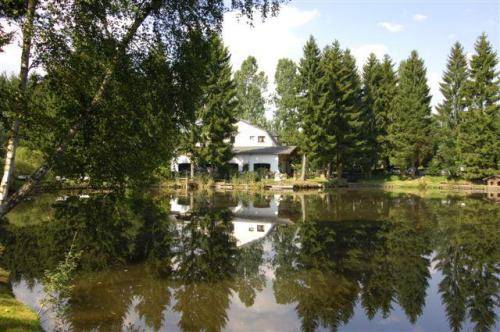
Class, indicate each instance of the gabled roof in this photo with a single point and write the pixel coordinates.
(283, 150)
(270, 133)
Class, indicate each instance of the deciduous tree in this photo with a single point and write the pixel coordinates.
(251, 89)
(285, 100)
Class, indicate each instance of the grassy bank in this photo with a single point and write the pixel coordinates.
(383, 182)
(14, 316)
(423, 182)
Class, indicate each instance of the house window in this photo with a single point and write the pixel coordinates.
(260, 139)
(260, 228)
(498, 183)
(252, 137)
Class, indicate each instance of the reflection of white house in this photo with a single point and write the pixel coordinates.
(251, 222)
(253, 148)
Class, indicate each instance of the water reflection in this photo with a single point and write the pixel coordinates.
(351, 260)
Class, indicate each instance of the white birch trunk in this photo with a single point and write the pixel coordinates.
(10, 157)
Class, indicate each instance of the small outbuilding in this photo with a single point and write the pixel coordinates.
(493, 181)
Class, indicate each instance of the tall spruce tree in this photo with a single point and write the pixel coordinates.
(411, 123)
(330, 119)
(251, 89)
(309, 76)
(286, 114)
(449, 111)
(372, 95)
(351, 138)
(384, 110)
(218, 112)
(479, 131)
(339, 121)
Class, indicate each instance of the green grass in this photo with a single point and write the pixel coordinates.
(408, 182)
(14, 316)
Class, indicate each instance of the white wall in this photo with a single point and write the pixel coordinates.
(245, 130)
(242, 139)
(182, 159)
(252, 159)
(246, 231)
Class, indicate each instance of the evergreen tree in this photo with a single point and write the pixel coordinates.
(286, 113)
(351, 139)
(339, 113)
(450, 110)
(218, 113)
(251, 86)
(384, 109)
(411, 119)
(309, 75)
(372, 93)
(479, 133)
(330, 119)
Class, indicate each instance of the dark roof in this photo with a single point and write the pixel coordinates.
(492, 177)
(264, 150)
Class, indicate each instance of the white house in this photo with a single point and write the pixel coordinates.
(251, 221)
(253, 148)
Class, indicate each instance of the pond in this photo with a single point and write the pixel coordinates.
(351, 260)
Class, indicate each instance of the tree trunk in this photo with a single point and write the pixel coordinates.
(304, 166)
(36, 177)
(191, 171)
(339, 166)
(10, 157)
(329, 170)
(303, 207)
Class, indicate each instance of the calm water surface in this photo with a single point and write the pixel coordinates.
(347, 260)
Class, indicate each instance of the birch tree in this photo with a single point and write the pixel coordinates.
(26, 16)
(122, 28)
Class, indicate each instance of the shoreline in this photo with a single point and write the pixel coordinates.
(15, 315)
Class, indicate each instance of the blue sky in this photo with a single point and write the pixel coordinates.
(392, 27)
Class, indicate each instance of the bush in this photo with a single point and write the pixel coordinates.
(246, 177)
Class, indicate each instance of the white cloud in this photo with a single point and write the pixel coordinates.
(419, 17)
(391, 27)
(362, 52)
(469, 55)
(268, 41)
(434, 79)
(10, 58)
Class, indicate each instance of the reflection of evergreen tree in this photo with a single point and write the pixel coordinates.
(324, 266)
(468, 256)
(206, 265)
(378, 290)
(203, 305)
(309, 274)
(409, 243)
(250, 278)
(207, 250)
(154, 300)
(102, 301)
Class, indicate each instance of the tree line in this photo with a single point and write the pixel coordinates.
(382, 118)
